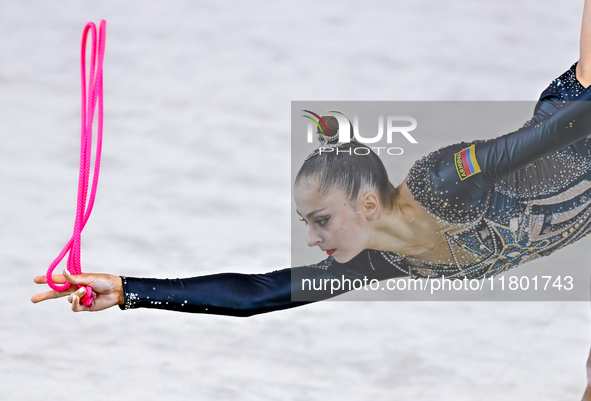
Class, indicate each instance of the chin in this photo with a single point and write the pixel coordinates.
(342, 258)
(346, 256)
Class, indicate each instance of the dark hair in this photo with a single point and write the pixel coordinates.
(349, 171)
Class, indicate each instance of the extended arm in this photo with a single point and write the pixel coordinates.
(555, 127)
(244, 295)
(232, 294)
(565, 123)
(454, 182)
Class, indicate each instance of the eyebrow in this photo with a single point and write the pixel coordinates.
(311, 213)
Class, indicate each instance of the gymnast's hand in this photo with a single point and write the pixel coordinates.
(108, 290)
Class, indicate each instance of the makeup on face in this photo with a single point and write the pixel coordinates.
(334, 224)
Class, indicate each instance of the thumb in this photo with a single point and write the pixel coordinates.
(82, 278)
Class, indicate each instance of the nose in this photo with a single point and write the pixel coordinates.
(313, 238)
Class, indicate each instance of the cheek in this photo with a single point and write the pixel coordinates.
(349, 233)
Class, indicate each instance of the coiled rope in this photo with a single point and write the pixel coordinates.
(92, 94)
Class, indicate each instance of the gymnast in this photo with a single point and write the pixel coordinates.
(469, 210)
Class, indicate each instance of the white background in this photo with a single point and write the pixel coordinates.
(196, 180)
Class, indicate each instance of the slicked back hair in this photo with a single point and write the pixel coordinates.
(349, 172)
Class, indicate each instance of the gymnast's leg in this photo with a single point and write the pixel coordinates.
(584, 66)
(587, 395)
(583, 74)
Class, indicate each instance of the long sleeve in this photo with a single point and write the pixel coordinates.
(570, 122)
(455, 182)
(245, 295)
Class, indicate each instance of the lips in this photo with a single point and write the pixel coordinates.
(330, 251)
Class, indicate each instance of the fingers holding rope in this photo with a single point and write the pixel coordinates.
(75, 300)
(75, 295)
(85, 295)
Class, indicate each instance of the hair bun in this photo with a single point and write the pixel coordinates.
(327, 131)
(330, 131)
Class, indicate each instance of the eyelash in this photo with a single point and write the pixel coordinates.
(320, 222)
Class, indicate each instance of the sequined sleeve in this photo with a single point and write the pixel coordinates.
(455, 182)
(565, 87)
(244, 295)
(549, 175)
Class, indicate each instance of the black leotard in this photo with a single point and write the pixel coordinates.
(517, 197)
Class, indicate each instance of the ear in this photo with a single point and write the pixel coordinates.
(370, 204)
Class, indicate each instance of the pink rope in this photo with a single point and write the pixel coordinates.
(92, 94)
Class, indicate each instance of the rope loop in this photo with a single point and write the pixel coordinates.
(92, 96)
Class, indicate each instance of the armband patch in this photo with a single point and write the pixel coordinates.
(466, 163)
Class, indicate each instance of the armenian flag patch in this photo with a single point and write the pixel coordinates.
(466, 163)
